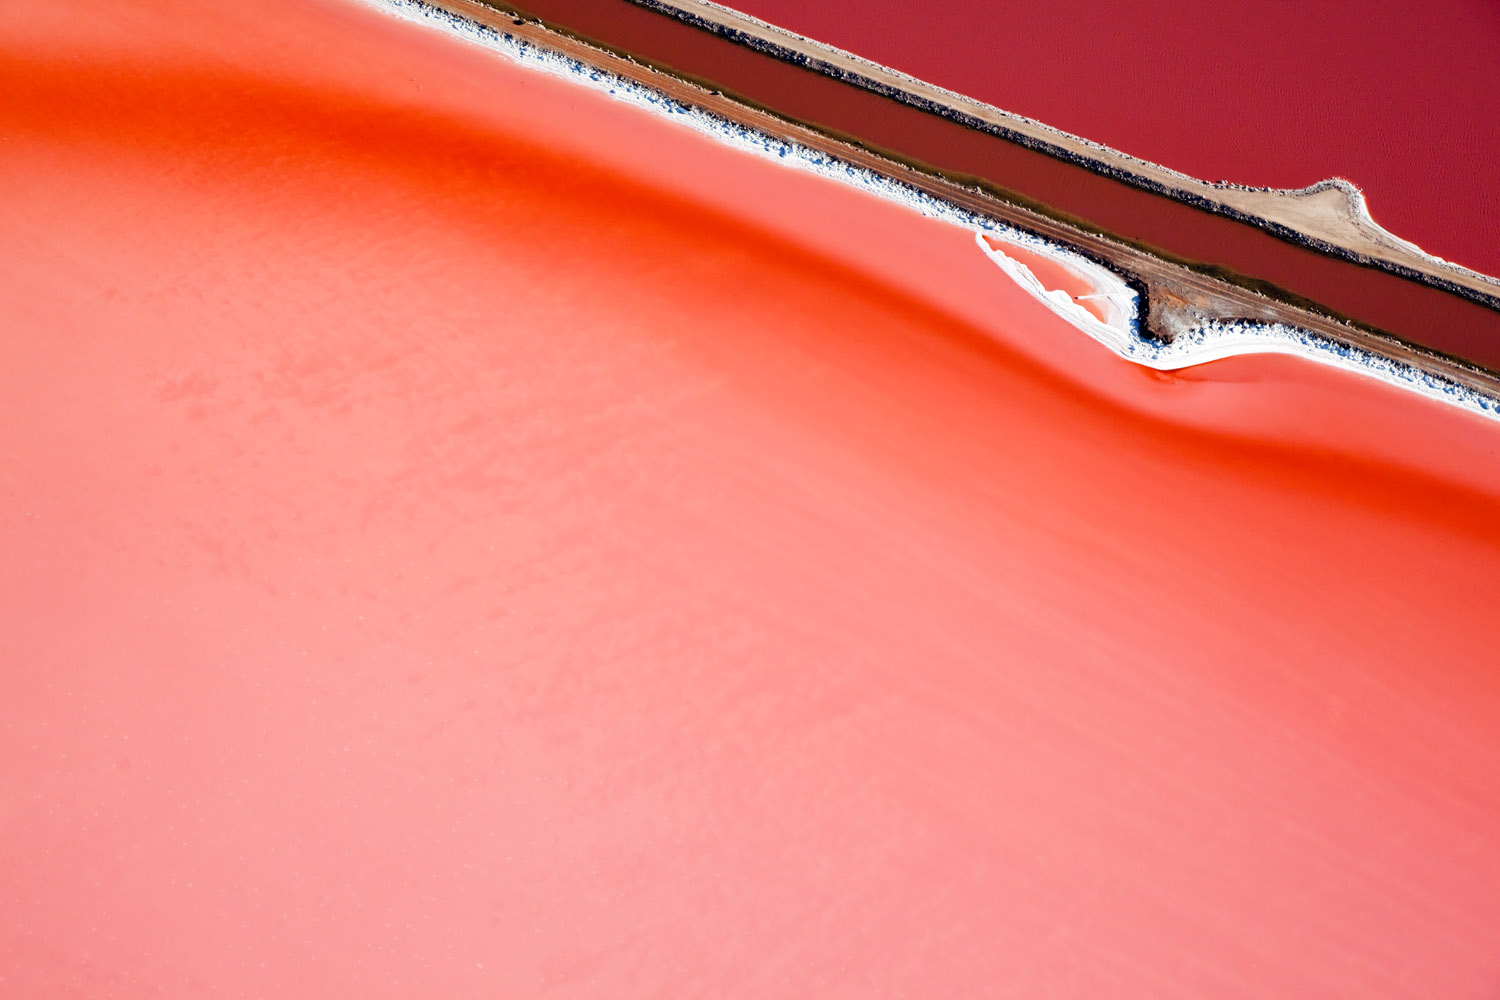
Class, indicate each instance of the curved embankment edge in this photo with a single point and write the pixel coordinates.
(1121, 329)
(1122, 333)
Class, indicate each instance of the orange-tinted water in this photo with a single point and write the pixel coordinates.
(463, 537)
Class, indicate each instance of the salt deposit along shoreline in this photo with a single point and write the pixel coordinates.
(1199, 331)
(1215, 230)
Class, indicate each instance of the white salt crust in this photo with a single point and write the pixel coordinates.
(1121, 331)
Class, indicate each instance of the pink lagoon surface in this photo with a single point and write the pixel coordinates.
(467, 537)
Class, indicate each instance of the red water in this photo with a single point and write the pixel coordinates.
(1400, 98)
(466, 538)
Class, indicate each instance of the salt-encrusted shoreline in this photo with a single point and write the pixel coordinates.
(1218, 340)
(1124, 334)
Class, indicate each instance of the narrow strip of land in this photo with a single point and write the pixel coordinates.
(804, 88)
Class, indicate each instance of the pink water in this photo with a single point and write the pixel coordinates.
(464, 537)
